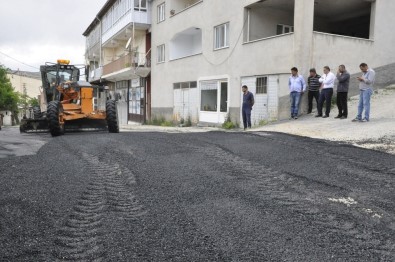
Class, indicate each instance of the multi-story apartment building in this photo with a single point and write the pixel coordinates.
(27, 83)
(118, 51)
(203, 51)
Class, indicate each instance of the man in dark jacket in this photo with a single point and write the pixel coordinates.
(314, 89)
(342, 90)
(248, 102)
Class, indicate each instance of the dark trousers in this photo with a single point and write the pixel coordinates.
(246, 114)
(311, 95)
(325, 96)
(341, 101)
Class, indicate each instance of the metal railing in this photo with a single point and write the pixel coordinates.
(133, 59)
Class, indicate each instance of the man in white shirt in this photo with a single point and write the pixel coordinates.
(327, 81)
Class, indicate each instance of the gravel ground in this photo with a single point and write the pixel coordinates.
(208, 196)
(378, 134)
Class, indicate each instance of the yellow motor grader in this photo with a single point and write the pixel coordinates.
(68, 103)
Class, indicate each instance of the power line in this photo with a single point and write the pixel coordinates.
(232, 50)
(19, 61)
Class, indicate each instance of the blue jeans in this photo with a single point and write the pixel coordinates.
(246, 114)
(364, 103)
(295, 99)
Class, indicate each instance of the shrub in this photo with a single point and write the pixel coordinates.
(228, 124)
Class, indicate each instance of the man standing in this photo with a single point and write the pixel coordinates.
(248, 102)
(327, 81)
(296, 86)
(342, 90)
(366, 90)
(314, 89)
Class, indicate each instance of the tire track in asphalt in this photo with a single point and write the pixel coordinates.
(290, 190)
(194, 239)
(375, 174)
(312, 198)
(322, 150)
(81, 237)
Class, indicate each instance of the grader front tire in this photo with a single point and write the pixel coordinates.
(112, 117)
(53, 114)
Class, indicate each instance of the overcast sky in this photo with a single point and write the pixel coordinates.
(39, 31)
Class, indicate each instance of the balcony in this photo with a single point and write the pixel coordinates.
(140, 19)
(130, 66)
(266, 19)
(348, 49)
(178, 6)
(186, 43)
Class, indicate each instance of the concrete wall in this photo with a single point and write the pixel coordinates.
(6, 118)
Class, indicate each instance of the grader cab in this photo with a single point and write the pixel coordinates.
(68, 103)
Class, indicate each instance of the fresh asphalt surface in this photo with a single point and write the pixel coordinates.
(215, 196)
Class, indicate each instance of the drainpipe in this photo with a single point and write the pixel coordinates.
(248, 23)
(100, 42)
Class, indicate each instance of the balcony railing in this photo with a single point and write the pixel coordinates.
(133, 59)
(95, 74)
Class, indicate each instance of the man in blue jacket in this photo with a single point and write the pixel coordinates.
(248, 102)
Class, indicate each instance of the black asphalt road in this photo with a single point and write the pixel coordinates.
(216, 196)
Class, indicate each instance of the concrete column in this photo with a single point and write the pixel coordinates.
(372, 20)
(303, 35)
(303, 41)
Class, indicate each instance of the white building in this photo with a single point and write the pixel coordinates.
(204, 50)
(118, 51)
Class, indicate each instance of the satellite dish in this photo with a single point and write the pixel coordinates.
(128, 43)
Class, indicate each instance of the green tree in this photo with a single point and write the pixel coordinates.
(34, 102)
(9, 99)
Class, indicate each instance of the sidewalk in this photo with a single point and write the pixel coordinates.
(166, 129)
(377, 134)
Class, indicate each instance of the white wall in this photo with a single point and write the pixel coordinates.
(6, 118)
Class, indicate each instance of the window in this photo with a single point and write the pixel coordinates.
(192, 84)
(283, 29)
(209, 95)
(221, 36)
(261, 85)
(161, 12)
(140, 5)
(161, 53)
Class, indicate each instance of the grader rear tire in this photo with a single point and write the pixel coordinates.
(112, 117)
(53, 111)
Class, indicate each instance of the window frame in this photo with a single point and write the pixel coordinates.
(140, 8)
(161, 57)
(224, 42)
(283, 27)
(161, 12)
(261, 88)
